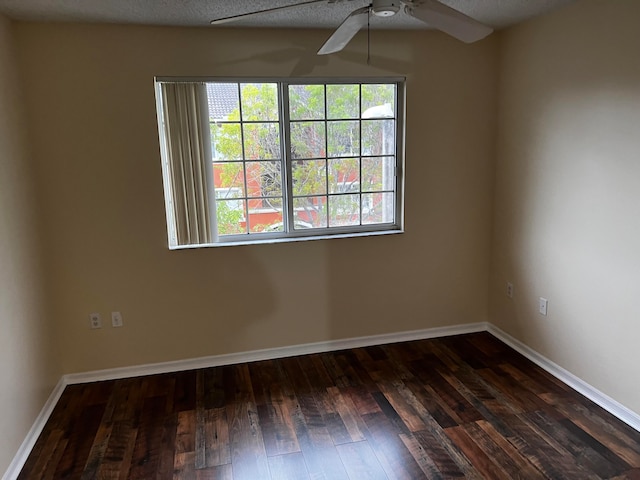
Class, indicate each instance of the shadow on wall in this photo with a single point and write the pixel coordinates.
(221, 274)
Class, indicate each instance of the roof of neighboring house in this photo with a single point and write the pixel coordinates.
(223, 99)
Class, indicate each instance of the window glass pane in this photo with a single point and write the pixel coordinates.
(344, 210)
(306, 102)
(310, 212)
(309, 177)
(378, 100)
(343, 138)
(231, 216)
(307, 140)
(261, 141)
(265, 215)
(259, 102)
(343, 101)
(226, 141)
(378, 137)
(264, 179)
(228, 180)
(344, 175)
(377, 208)
(224, 102)
(378, 173)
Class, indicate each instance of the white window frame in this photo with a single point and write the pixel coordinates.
(290, 234)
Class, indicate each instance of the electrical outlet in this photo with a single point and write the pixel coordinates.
(95, 320)
(542, 306)
(116, 319)
(509, 289)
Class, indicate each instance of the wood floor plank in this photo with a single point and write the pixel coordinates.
(558, 461)
(273, 408)
(402, 407)
(98, 450)
(248, 455)
(44, 455)
(602, 461)
(630, 475)
(363, 400)
(433, 440)
(200, 441)
(360, 461)
(80, 441)
(466, 407)
(460, 346)
(146, 453)
(421, 456)
(605, 433)
(449, 461)
(431, 402)
(186, 432)
(319, 383)
(514, 463)
(218, 451)
(351, 368)
(395, 458)
(213, 388)
(167, 443)
(219, 472)
(478, 458)
(119, 452)
(348, 414)
(320, 454)
(484, 398)
(185, 391)
(460, 406)
(501, 452)
(184, 466)
(288, 467)
(49, 473)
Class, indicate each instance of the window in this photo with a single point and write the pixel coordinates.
(255, 160)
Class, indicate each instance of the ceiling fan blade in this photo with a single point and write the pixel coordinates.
(242, 16)
(449, 20)
(346, 31)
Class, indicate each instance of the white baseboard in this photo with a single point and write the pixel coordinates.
(271, 353)
(615, 408)
(32, 436)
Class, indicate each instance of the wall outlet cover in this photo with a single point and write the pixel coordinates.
(116, 319)
(95, 320)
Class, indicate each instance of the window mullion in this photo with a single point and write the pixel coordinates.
(399, 117)
(244, 162)
(360, 179)
(326, 154)
(288, 214)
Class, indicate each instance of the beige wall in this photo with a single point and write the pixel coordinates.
(92, 114)
(26, 368)
(567, 208)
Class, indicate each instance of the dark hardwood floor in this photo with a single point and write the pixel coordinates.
(457, 407)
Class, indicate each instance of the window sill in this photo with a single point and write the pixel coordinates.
(288, 239)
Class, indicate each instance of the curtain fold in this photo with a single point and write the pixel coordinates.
(186, 129)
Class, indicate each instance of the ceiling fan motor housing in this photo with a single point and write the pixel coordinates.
(385, 8)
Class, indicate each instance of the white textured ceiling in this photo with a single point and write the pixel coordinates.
(329, 14)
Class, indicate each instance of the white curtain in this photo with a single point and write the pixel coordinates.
(188, 150)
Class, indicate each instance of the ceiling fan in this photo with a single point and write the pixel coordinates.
(431, 12)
